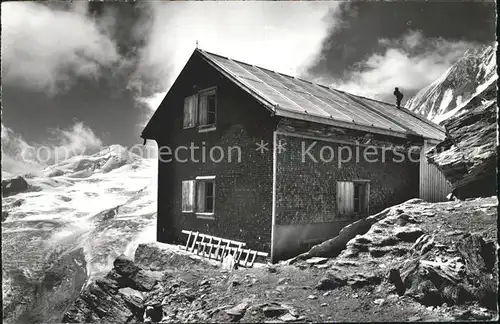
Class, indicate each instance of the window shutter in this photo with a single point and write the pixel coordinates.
(188, 196)
(200, 203)
(203, 109)
(190, 111)
(345, 198)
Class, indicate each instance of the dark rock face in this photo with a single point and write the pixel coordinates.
(467, 157)
(44, 297)
(118, 297)
(14, 186)
(432, 283)
(5, 214)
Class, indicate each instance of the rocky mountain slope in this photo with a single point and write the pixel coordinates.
(66, 226)
(467, 157)
(447, 96)
(416, 261)
(464, 101)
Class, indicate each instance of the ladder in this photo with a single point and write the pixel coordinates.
(216, 248)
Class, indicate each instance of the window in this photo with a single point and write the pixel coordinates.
(208, 103)
(353, 197)
(201, 191)
(201, 110)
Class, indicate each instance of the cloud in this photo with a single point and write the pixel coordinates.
(139, 49)
(359, 25)
(281, 37)
(151, 103)
(142, 47)
(47, 48)
(410, 62)
(76, 140)
(19, 156)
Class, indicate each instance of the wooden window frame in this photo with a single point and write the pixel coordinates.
(195, 206)
(204, 214)
(205, 93)
(198, 97)
(356, 211)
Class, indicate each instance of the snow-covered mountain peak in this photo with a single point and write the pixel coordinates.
(468, 77)
(83, 166)
(70, 224)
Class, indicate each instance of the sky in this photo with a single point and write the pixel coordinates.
(84, 75)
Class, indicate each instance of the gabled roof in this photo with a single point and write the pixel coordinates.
(296, 98)
(292, 97)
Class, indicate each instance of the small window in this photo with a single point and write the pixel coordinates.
(353, 197)
(201, 110)
(188, 196)
(199, 196)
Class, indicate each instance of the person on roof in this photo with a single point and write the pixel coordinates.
(399, 97)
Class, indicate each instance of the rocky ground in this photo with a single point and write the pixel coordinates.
(416, 261)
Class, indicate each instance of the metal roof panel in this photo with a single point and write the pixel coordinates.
(323, 104)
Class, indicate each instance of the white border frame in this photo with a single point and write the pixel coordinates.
(273, 214)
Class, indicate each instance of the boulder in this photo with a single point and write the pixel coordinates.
(330, 281)
(317, 260)
(134, 298)
(394, 277)
(153, 314)
(333, 247)
(361, 280)
(157, 256)
(125, 266)
(238, 310)
(408, 234)
(14, 186)
(134, 276)
(274, 310)
(98, 302)
(437, 282)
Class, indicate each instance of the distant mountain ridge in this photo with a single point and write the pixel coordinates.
(469, 76)
(82, 166)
